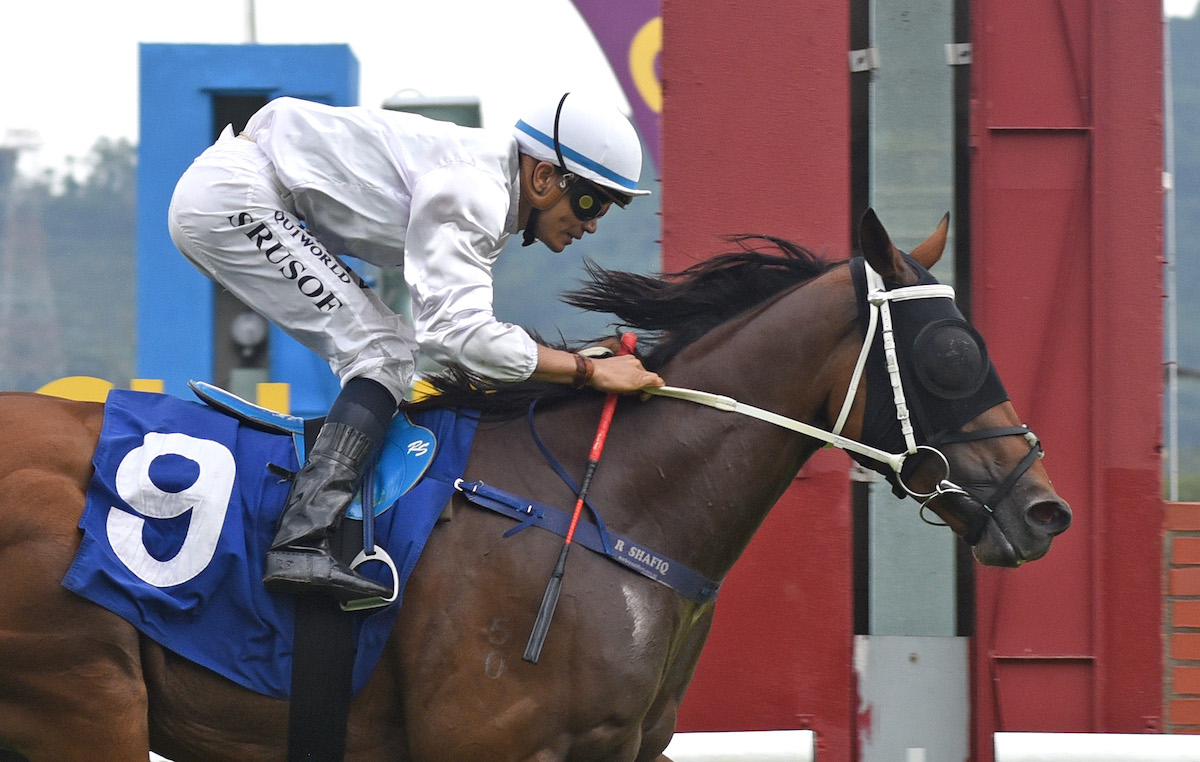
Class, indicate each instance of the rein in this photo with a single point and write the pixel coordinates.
(729, 404)
(879, 300)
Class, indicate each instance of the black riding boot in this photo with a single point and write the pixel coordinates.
(300, 560)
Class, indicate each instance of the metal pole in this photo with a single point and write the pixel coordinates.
(251, 22)
(1172, 327)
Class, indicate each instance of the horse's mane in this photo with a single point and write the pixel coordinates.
(668, 312)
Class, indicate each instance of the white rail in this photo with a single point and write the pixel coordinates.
(748, 746)
(762, 746)
(1096, 747)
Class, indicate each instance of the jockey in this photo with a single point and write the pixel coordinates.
(268, 213)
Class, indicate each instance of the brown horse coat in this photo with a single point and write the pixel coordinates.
(79, 683)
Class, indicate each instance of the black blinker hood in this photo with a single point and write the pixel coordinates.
(933, 417)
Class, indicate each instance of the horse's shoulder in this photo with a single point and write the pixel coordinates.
(54, 433)
(56, 410)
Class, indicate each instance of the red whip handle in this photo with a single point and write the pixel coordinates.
(628, 342)
(541, 625)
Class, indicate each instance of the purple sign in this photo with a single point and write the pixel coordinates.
(630, 33)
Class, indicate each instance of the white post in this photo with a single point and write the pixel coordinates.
(251, 22)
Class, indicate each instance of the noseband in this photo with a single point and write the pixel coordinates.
(975, 512)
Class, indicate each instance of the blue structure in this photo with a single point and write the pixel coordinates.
(185, 91)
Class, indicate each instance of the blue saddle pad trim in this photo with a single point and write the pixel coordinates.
(178, 518)
(228, 402)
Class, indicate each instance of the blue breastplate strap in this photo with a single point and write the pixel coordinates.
(688, 583)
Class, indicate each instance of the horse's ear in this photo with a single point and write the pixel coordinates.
(929, 251)
(877, 248)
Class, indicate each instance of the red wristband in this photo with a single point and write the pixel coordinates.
(584, 369)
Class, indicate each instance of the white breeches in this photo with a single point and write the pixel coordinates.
(231, 218)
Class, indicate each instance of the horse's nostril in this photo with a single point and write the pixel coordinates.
(1051, 516)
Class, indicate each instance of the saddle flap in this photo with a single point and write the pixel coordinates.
(247, 412)
(407, 451)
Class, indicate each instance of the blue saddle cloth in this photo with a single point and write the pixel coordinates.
(177, 522)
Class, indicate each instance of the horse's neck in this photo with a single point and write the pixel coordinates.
(725, 471)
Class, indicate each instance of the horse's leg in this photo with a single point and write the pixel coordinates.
(376, 729)
(468, 695)
(660, 720)
(197, 715)
(71, 681)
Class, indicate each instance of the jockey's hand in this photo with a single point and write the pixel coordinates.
(622, 374)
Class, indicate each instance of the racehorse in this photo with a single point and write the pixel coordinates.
(779, 332)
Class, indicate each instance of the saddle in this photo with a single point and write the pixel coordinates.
(323, 641)
(406, 453)
(403, 458)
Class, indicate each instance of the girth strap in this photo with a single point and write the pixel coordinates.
(688, 583)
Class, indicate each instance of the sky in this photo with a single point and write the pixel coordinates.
(70, 66)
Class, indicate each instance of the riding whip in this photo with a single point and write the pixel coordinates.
(541, 625)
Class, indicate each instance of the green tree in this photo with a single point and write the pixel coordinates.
(79, 229)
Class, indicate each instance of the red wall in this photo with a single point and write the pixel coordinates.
(755, 119)
(1066, 214)
(1066, 224)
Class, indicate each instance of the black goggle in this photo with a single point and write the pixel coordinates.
(587, 201)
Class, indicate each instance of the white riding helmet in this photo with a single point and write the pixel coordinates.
(586, 137)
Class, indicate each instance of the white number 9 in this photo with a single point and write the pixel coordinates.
(207, 498)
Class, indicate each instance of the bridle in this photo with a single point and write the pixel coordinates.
(879, 299)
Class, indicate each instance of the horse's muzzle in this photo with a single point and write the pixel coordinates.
(1051, 516)
(1012, 543)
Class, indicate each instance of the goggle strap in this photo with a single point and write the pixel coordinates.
(562, 163)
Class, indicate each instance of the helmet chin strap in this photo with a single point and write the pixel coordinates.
(535, 211)
(530, 227)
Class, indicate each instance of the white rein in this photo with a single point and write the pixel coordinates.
(879, 305)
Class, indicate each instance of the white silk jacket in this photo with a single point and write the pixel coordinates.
(398, 190)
